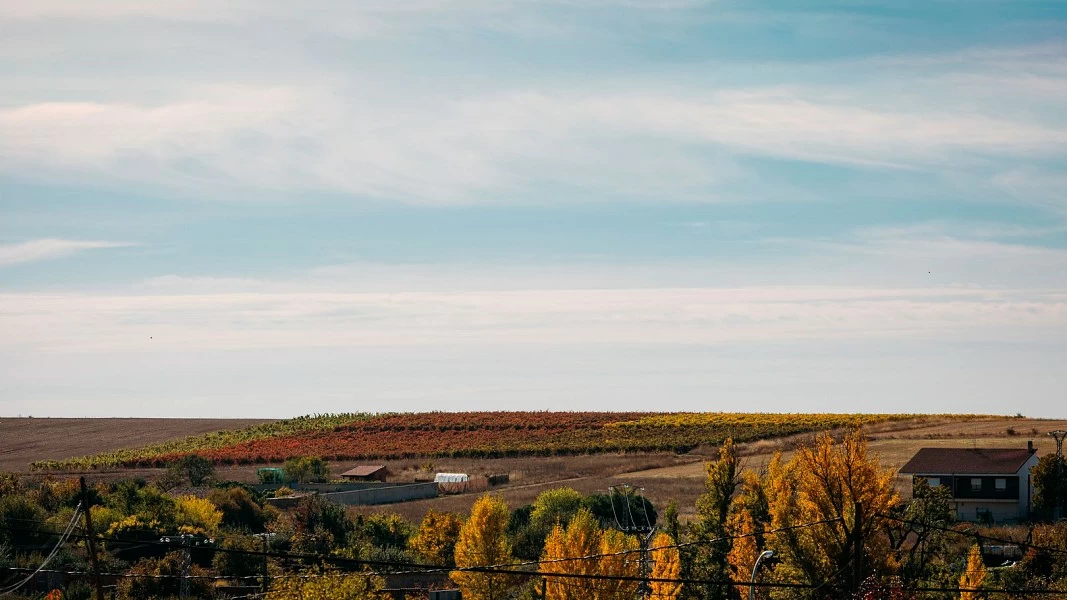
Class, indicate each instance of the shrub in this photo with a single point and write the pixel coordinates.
(239, 509)
(306, 469)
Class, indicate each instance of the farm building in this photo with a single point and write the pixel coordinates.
(451, 478)
(366, 473)
(986, 483)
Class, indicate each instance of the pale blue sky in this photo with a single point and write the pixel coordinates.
(259, 209)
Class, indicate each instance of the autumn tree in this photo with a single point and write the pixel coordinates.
(619, 557)
(822, 484)
(435, 542)
(564, 552)
(708, 559)
(334, 586)
(972, 578)
(483, 541)
(665, 565)
(745, 548)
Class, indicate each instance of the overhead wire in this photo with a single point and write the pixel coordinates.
(63, 538)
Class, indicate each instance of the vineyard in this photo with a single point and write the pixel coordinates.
(470, 434)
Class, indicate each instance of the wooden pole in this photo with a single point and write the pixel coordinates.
(266, 549)
(544, 588)
(90, 542)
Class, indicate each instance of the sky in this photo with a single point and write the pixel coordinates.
(262, 208)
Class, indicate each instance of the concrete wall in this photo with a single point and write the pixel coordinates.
(323, 487)
(1001, 511)
(384, 495)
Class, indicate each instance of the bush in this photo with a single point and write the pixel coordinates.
(239, 509)
(163, 581)
(237, 564)
(193, 468)
(306, 469)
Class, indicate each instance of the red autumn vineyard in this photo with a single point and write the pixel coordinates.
(472, 434)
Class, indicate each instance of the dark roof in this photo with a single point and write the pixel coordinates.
(363, 471)
(947, 461)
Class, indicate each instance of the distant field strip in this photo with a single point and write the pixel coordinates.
(475, 435)
(200, 443)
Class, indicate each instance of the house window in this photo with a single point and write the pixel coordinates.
(976, 484)
(933, 481)
(1002, 484)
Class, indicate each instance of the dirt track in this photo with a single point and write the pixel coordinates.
(24, 440)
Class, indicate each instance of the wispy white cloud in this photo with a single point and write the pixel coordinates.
(49, 249)
(649, 317)
(490, 148)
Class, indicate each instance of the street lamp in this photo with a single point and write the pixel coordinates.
(752, 584)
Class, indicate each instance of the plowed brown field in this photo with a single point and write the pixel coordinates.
(24, 440)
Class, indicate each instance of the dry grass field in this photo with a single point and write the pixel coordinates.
(24, 440)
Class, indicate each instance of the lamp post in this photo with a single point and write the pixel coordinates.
(752, 584)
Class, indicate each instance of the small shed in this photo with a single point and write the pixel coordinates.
(366, 473)
(270, 475)
(451, 478)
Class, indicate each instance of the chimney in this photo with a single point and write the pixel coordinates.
(1030, 446)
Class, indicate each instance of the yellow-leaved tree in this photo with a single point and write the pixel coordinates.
(666, 564)
(483, 541)
(745, 549)
(821, 484)
(435, 542)
(974, 575)
(197, 515)
(564, 552)
(620, 556)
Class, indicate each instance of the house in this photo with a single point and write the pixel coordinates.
(366, 473)
(985, 482)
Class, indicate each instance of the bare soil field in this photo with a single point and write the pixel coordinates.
(24, 440)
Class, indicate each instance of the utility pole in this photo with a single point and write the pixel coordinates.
(90, 542)
(646, 586)
(266, 550)
(187, 563)
(857, 546)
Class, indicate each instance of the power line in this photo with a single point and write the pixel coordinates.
(51, 555)
(973, 534)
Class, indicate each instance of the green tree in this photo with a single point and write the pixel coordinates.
(385, 530)
(240, 510)
(1049, 476)
(20, 521)
(306, 469)
(192, 468)
(238, 564)
(320, 526)
(709, 558)
(917, 539)
(555, 506)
